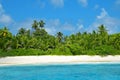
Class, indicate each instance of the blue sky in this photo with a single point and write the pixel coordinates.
(67, 16)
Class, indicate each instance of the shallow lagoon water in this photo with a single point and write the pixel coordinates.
(61, 72)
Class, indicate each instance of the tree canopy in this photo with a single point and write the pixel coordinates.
(36, 41)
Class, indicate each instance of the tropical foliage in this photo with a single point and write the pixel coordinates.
(37, 41)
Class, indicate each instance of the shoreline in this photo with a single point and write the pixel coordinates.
(82, 59)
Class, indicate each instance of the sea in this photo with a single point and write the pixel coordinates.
(99, 71)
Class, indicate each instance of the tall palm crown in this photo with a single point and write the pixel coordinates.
(35, 25)
(41, 24)
(102, 30)
(22, 31)
(59, 36)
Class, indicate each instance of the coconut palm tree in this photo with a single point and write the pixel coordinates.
(60, 36)
(103, 34)
(41, 24)
(5, 38)
(22, 31)
(35, 25)
(102, 30)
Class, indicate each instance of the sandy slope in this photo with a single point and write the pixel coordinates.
(56, 59)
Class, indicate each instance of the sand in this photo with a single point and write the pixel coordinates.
(18, 60)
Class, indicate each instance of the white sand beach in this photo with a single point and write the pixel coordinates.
(56, 59)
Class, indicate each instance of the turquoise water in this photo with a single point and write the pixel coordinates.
(61, 72)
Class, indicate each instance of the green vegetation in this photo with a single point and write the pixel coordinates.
(37, 41)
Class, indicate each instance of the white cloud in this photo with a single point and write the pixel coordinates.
(52, 26)
(4, 18)
(102, 14)
(117, 2)
(80, 26)
(55, 25)
(51, 31)
(25, 24)
(68, 27)
(112, 24)
(84, 3)
(58, 3)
